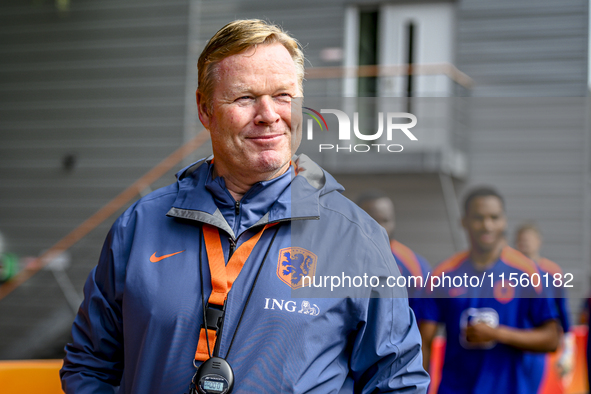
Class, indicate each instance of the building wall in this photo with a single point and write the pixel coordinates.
(524, 48)
(103, 83)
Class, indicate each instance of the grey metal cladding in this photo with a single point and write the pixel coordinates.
(524, 48)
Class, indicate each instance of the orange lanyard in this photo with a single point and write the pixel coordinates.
(222, 278)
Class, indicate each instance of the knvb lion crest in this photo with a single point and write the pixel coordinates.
(503, 292)
(295, 263)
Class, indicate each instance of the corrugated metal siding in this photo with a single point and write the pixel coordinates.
(104, 82)
(523, 47)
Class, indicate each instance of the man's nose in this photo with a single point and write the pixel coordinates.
(266, 111)
(488, 224)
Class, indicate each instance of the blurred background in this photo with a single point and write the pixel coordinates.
(96, 94)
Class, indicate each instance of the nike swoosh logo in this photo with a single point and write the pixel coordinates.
(155, 259)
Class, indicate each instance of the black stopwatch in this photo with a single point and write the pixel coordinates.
(214, 376)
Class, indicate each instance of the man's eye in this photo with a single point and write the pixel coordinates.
(244, 98)
(283, 96)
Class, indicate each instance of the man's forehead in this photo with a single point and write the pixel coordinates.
(266, 55)
(382, 203)
(243, 80)
(255, 72)
(486, 204)
(528, 232)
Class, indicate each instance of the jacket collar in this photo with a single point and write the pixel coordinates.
(298, 201)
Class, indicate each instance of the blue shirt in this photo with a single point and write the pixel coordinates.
(490, 368)
(557, 293)
(411, 264)
(557, 296)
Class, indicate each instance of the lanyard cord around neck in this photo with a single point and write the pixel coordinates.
(222, 279)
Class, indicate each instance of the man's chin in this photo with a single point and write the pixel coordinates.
(270, 164)
(488, 247)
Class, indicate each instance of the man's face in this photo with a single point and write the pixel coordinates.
(528, 242)
(382, 211)
(249, 113)
(485, 223)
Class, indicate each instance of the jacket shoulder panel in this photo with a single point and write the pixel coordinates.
(340, 209)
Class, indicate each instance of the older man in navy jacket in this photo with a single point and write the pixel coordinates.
(232, 241)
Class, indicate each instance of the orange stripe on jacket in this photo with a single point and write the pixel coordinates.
(407, 258)
(516, 259)
(451, 264)
(549, 266)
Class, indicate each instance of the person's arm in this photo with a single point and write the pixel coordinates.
(386, 348)
(428, 329)
(94, 360)
(429, 318)
(544, 338)
(584, 317)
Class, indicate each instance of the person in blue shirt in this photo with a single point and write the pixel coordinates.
(381, 208)
(490, 325)
(528, 240)
(214, 264)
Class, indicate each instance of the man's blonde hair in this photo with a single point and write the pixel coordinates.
(235, 38)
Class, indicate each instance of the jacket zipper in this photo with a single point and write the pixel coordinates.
(232, 247)
(232, 241)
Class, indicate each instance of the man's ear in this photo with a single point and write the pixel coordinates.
(203, 109)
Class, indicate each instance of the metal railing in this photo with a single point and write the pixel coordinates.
(446, 69)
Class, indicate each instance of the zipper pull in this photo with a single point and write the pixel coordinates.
(237, 208)
(232, 247)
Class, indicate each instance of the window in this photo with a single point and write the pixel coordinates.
(397, 35)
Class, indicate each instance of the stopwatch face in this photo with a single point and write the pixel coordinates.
(214, 376)
(213, 384)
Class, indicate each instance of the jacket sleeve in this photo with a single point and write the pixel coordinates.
(387, 356)
(94, 360)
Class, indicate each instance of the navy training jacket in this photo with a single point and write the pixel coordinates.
(138, 326)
